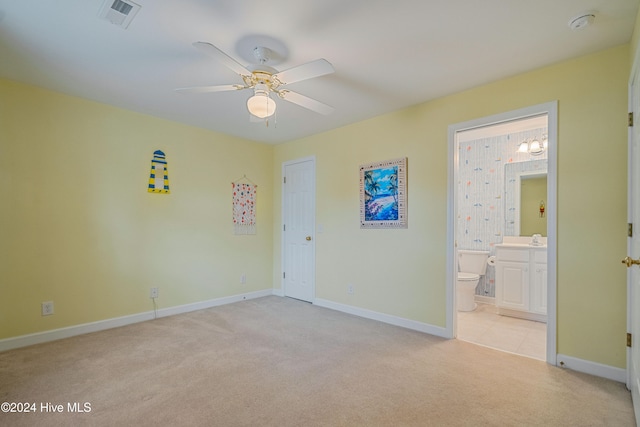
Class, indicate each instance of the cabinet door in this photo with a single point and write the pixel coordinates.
(539, 289)
(512, 285)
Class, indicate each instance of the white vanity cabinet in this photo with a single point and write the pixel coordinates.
(539, 284)
(521, 281)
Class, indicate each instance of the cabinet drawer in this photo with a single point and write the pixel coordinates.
(512, 255)
(540, 257)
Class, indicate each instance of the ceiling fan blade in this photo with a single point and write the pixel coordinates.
(206, 89)
(312, 69)
(306, 102)
(214, 52)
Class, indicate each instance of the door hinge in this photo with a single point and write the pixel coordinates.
(284, 275)
(284, 227)
(628, 339)
(631, 119)
(630, 230)
(284, 180)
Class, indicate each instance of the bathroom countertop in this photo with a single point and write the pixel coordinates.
(520, 245)
(522, 241)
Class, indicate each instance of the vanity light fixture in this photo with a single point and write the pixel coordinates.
(533, 146)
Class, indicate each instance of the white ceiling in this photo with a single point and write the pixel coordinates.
(387, 54)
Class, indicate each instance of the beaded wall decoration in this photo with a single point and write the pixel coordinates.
(244, 206)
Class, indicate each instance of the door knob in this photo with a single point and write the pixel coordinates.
(309, 238)
(630, 261)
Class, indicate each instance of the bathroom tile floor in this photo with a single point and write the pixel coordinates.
(484, 326)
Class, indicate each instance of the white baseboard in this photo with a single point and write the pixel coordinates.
(171, 311)
(101, 325)
(485, 300)
(381, 317)
(593, 368)
(278, 292)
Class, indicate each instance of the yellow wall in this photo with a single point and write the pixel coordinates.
(402, 272)
(77, 226)
(635, 39)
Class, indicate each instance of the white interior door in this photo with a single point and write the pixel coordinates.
(633, 273)
(298, 227)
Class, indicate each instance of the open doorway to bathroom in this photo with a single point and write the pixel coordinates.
(498, 166)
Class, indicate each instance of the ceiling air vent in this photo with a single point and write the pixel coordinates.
(119, 12)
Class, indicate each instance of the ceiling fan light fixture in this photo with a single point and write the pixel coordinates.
(260, 104)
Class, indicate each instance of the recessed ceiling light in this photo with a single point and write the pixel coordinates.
(581, 21)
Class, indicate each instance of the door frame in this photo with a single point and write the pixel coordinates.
(634, 81)
(283, 211)
(551, 109)
(630, 100)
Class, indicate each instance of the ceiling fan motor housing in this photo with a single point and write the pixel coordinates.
(262, 54)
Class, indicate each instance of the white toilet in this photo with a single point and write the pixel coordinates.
(471, 265)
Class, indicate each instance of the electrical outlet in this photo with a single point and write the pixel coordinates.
(350, 289)
(243, 278)
(153, 293)
(47, 308)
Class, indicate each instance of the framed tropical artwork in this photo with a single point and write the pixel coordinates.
(383, 194)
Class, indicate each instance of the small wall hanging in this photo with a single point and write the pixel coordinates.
(159, 177)
(244, 206)
(383, 194)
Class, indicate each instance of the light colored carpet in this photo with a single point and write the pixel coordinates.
(280, 362)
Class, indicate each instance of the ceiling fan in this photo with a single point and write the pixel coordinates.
(265, 80)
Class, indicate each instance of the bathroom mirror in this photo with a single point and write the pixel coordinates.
(533, 202)
(526, 198)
